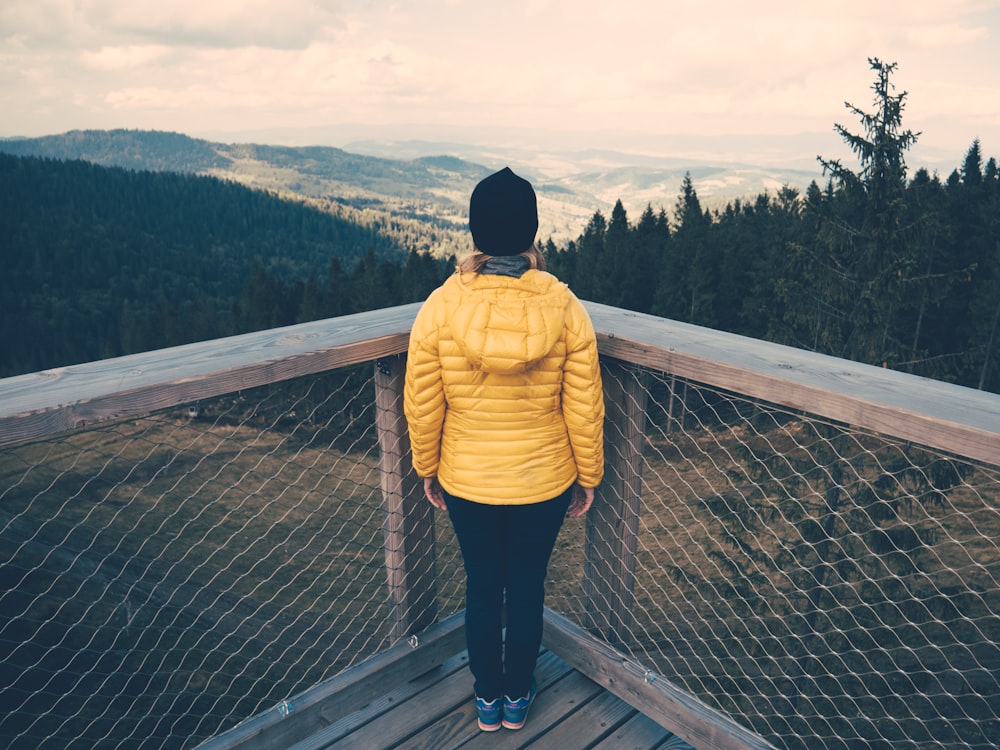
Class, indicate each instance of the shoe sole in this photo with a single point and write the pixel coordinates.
(489, 727)
(517, 725)
(512, 725)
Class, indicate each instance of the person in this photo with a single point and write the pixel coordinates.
(505, 413)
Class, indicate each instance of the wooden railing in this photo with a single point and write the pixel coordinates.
(937, 416)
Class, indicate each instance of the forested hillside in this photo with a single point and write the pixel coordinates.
(100, 262)
(874, 267)
(419, 202)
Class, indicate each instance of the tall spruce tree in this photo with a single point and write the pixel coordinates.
(802, 314)
(677, 296)
(869, 256)
(700, 256)
(650, 240)
(615, 257)
(590, 251)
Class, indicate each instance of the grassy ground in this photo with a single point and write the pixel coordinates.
(166, 577)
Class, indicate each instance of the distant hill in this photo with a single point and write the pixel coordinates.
(420, 178)
(131, 149)
(418, 190)
(422, 202)
(575, 181)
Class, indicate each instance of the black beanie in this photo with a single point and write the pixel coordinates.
(503, 214)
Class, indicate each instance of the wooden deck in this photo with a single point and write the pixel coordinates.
(418, 695)
(436, 712)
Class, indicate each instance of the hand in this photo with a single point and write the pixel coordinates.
(582, 499)
(432, 488)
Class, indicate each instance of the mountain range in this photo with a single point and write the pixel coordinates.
(419, 189)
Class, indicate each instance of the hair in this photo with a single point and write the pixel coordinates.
(474, 262)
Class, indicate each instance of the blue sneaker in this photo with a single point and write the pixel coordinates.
(515, 713)
(488, 713)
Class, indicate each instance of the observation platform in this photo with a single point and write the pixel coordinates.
(224, 543)
(408, 697)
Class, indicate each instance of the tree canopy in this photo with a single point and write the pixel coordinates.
(873, 265)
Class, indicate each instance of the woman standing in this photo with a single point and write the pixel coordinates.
(505, 411)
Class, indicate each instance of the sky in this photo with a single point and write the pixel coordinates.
(609, 74)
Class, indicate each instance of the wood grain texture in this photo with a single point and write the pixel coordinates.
(591, 723)
(351, 690)
(951, 418)
(397, 695)
(67, 398)
(638, 733)
(408, 519)
(560, 694)
(681, 713)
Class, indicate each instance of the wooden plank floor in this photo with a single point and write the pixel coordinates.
(436, 712)
(417, 694)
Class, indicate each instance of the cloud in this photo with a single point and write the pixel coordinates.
(937, 36)
(629, 65)
(227, 24)
(125, 58)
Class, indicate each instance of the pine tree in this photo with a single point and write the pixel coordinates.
(868, 256)
(373, 283)
(650, 244)
(590, 256)
(337, 294)
(312, 302)
(697, 259)
(611, 287)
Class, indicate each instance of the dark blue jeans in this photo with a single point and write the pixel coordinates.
(506, 550)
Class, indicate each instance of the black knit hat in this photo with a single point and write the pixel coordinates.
(503, 214)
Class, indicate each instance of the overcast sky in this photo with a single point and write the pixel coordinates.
(661, 67)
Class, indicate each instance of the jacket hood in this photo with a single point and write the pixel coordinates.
(505, 325)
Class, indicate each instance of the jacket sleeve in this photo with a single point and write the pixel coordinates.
(583, 396)
(423, 392)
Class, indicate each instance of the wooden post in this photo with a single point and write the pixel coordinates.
(409, 518)
(613, 521)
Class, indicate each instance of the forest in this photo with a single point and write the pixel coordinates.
(104, 261)
(872, 265)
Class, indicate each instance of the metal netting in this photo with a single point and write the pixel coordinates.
(168, 576)
(826, 587)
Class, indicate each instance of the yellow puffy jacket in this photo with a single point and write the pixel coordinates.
(503, 395)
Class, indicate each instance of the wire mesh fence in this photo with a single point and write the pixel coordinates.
(169, 575)
(827, 587)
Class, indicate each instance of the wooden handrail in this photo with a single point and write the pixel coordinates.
(954, 419)
(951, 418)
(66, 398)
